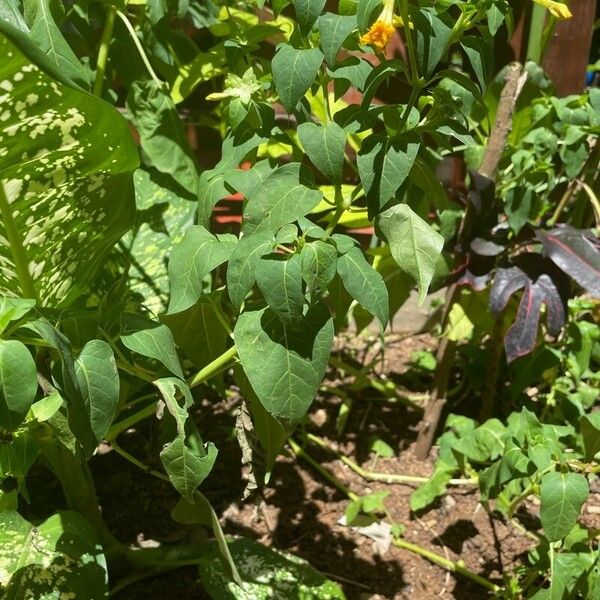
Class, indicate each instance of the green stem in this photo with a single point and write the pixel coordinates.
(445, 563)
(138, 463)
(17, 249)
(107, 32)
(130, 421)
(374, 476)
(226, 360)
(339, 211)
(332, 479)
(412, 54)
(388, 389)
(140, 49)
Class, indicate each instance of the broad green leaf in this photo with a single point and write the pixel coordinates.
(46, 408)
(424, 178)
(241, 270)
(324, 145)
(200, 511)
(308, 12)
(364, 284)
(204, 67)
(319, 266)
(377, 76)
(98, 378)
(334, 29)
(161, 132)
(61, 558)
(10, 13)
(198, 331)
(590, 431)
(426, 493)
(66, 194)
(211, 189)
(479, 53)
(283, 197)
(187, 465)
(279, 278)
(13, 309)
(433, 35)
(195, 257)
(414, 244)
(165, 212)
(46, 35)
(562, 496)
(285, 363)
(364, 12)
(383, 164)
(294, 71)
(152, 340)
(265, 573)
(17, 457)
(18, 383)
(353, 70)
(483, 443)
(567, 569)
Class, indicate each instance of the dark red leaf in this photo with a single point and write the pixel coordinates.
(576, 252)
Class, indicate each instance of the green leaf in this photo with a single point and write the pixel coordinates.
(241, 270)
(98, 377)
(433, 35)
(319, 266)
(17, 456)
(265, 573)
(383, 164)
(61, 558)
(479, 53)
(435, 487)
(324, 145)
(285, 363)
(377, 76)
(199, 510)
(334, 29)
(308, 12)
(280, 281)
(18, 383)
(66, 195)
(424, 178)
(364, 12)
(283, 197)
(162, 137)
(562, 496)
(414, 244)
(198, 331)
(186, 465)
(590, 431)
(567, 570)
(195, 257)
(10, 13)
(47, 407)
(294, 71)
(353, 70)
(152, 340)
(483, 443)
(46, 35)
(364, 284)
(13, 309)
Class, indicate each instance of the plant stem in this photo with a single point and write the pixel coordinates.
(374, 476)
(103, 50)
(17, 249)
(514, 503)
(226, 360)
(445, 563)
(130, 421)
(335, 482)
(388, 389)
(140, 49)
(412, 54)
(138, 463)
(339, 212)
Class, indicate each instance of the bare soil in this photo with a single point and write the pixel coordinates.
(299, 511)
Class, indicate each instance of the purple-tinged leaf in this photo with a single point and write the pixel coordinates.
(486, 247)
(576, 252)
(542, 284)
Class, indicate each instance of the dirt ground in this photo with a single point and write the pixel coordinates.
(299, 511)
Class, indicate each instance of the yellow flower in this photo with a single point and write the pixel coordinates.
(382, 30)
(556, 9)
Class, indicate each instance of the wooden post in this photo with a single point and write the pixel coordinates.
(568, 52)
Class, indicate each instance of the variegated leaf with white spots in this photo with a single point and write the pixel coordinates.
(66, 190)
